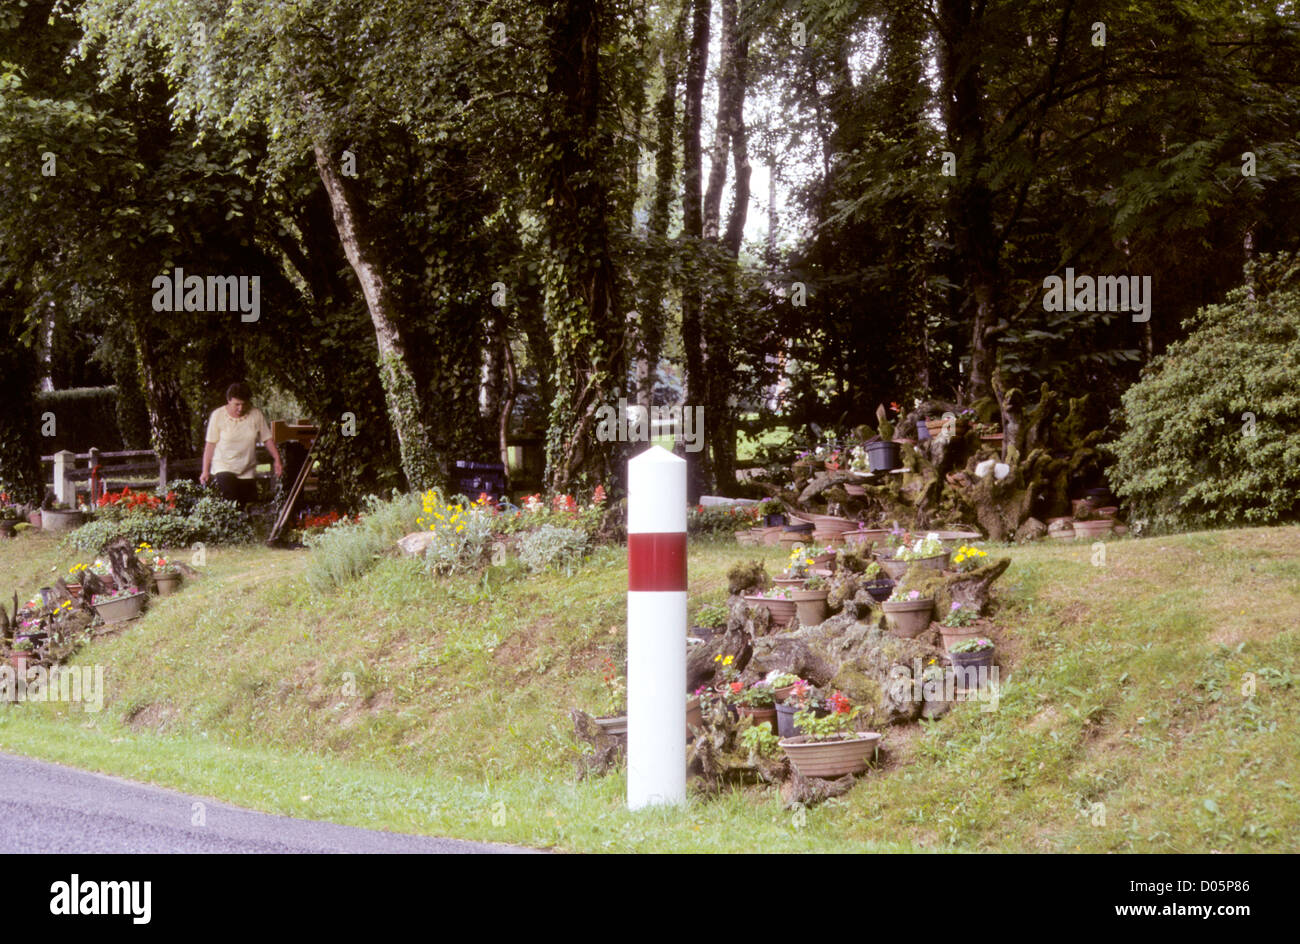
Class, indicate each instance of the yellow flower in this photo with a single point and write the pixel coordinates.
(728, 660)
(718, 657)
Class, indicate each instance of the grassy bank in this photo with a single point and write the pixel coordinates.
(441, 706)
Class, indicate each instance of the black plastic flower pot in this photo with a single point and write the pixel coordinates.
(785, 726)
(774, 520)
(880, 589)
(966, 667)
(884, 456)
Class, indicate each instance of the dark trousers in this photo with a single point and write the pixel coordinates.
(235, 489)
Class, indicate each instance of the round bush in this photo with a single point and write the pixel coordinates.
(1211, 435)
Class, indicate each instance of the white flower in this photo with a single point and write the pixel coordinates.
(985, 467)
(1001, 471)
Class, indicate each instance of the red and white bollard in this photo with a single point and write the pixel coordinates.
(656, 629)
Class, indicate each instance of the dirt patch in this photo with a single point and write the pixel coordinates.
(157, 717)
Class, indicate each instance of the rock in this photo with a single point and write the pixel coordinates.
(1057, 525)
(1031, 530)
(860, 659)
(416, 543)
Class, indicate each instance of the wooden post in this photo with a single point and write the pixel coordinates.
(64, 461)
(162, 472)
(96, 484)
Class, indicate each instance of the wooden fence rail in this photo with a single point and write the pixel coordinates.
(114, 467)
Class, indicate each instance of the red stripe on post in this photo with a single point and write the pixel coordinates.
(656, 561)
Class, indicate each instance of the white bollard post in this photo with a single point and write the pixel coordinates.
(64, 489)
(656, 629)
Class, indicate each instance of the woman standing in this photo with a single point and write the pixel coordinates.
(230, 451)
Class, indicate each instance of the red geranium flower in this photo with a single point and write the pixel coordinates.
(737, 687)
(840, 704)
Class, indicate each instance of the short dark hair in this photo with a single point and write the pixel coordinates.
(239, 391)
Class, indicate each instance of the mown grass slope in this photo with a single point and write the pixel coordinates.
(1150, 705)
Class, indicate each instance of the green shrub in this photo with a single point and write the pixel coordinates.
(84, 417)
(214, 520)
(211, 520)
(721, 519)
(1212, 435)
(346, 549)
(552, 546)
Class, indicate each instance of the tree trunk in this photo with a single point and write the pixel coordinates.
(424, 468)
(652, 314)
(697, 64)
(722, 413)
(169, 419)
(970, 202)
(588, 338)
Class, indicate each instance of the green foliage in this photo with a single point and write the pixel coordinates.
(84, 417)
(1212, 434)
(461, 533)
(214, 520)
(712, 616)
(347, 549)
(211, 520)
(761, 740)
(746, 575)
(721, 519)
(553, 546)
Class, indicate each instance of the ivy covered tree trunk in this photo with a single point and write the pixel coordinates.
(579, 278)
(697, 64)
(169, 417)
(423, 467)
(650, 342)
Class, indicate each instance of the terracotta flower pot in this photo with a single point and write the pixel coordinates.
(792, 582)
(865, 536)
(167, 583)
(892, 567)
(121, 609)
(908, 618)
(694, 717)
(20, 659)
(34, 519)
(960, 428)
(772, 535)
(831, 758)
(811, 606)
(952, 635)
(615, 725)
(832, 538)
(782, 611)
(1093, 529)
(760, 715)
(937, 562)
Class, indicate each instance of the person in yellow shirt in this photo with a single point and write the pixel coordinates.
(230, 450)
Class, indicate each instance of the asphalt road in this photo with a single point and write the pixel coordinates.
(48, 808)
